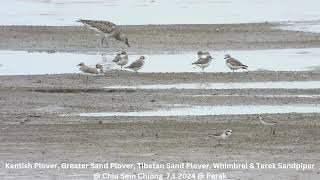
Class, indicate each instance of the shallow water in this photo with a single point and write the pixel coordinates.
(215, 110)
(22, 62)
(65, 12)
(242, 85)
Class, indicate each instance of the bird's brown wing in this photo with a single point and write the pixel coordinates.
(235, 62)
(103, 26)
(202, 61)
(135, 64)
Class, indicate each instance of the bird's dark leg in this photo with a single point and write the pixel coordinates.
(103, 40)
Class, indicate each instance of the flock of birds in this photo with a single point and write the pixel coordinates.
(111, 30)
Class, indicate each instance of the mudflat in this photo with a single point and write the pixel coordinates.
(40, 122)
(157, 38)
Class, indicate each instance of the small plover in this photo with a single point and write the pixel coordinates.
(234, 64)
(107, 29)
(223, 136)
(271, 124)
(137, 65)
(204, 61)
(86, 69)
(121, 59)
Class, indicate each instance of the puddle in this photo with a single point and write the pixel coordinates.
(242, 85)
(215, 110)
(15, 62)
(65, 12)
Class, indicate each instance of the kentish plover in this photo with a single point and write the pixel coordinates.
(234, 64)
(86, 69)
(204, 60)
(107, 29)
(223, 136)
(271, 124)
(121, 59)
(137, 65)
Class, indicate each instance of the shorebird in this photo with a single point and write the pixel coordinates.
(234, 64)
(107, 29)
(137, 65)
(121, 59)
(203, 61)
(87, 70)
(223, 136)
(271, 124)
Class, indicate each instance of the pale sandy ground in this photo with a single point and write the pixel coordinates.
(32, 129)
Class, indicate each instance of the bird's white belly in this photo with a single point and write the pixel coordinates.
(122, 62)
(233, 67)
(204, 65)
(138, 68)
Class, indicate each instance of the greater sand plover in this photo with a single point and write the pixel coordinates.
(234, 64)
(203, 61)
(121, 59)
(137, 65)
(270, 123)
(224, 135)
(107, 29)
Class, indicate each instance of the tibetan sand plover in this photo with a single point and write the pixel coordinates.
(137, 65)
(234, 64)
(121, 59)
(204, 60)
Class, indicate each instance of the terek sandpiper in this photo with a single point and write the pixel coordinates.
(223, 136)
(107, 29)
(234, 64)
(271, 124)
(137, 65)
(121, 59)
(203, 61)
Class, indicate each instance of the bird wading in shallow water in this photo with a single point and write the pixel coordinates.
(107, 29)
(234, 64)
(121, 59)
(204, 60)
(137, 65)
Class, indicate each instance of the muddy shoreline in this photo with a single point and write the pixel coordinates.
(157, 38)
(33, 128)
